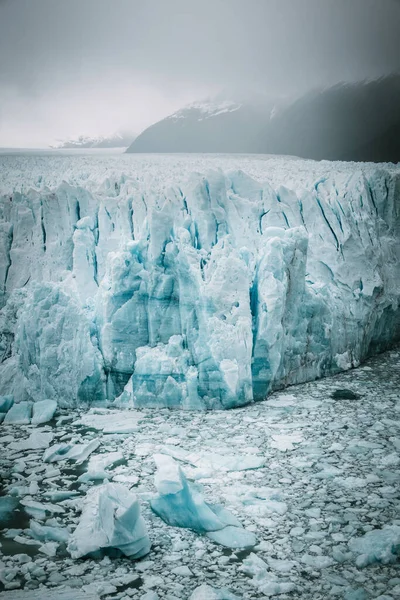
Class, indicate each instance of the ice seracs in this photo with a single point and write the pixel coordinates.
(193, 286)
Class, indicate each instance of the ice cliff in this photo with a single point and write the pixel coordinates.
(204, 292)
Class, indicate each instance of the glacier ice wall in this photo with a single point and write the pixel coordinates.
(206, 293)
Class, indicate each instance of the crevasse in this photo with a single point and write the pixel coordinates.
(209, 293)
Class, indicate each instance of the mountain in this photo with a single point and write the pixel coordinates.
(344, 122)
(356, 121)
(218, 125)
(118, 140)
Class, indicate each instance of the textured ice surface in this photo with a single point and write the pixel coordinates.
(263, 579)
(43, 411)
(199, 282)
(206, 592)
(19, 413)
(304, 504)
(182, 505)
(111, 519)
(76, 452)
(379, 545)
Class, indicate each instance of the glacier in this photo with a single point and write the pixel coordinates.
(195, 283)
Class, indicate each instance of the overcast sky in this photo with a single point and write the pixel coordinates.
(70, 67)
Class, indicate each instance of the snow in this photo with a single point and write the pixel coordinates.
(206, 109)
(194, 282)
(111, 519)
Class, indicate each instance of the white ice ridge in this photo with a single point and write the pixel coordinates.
(158, 286)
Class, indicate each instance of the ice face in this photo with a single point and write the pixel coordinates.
(186, 284)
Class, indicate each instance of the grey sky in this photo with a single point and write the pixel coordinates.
(94, 66)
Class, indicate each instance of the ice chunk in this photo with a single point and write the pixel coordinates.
(181, 505)
(110, 421)
(266, 582)
(43, 411)
(19, 414)
(59, 593)
(76, 452)
(206, 592)
(110, 520)
(6, 403)
(98, 464)
(7, 506)
(39, 510)
(47, 533)
(377, 546)
(36, 441)
(215, 461)
(233, 537)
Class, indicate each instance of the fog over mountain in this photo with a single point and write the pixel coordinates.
(356, 121)
(92, 67)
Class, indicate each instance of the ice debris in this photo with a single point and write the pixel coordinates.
(43, 411)
(266, 582)
(377, 546)
(206, 592)
(110, 520)
(76, 452)
(19, 414)
(182, 505)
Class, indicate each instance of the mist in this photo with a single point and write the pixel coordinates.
(93, 67)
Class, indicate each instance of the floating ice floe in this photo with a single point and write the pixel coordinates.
(47, 533)
(19, 414)
(98, 464)
(43, 411)
(44, 593)
(377, 546)
(109, 421)
(6, 403)
(37, 440)
(214, 461)
(110, 520)
(266, 582)
(206, 592)
(76, 452)
(181, 505)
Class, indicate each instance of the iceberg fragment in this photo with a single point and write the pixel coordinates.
(377, 546)
(181, 505)
(76, 452)
(206, 592)
(110, 520)
(6, 403)
(263, 579)
(43, 411)
(19, 414)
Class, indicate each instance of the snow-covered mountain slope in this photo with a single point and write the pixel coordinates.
(118, 140)
(357, 121)
(195, 282)
(217, 125)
